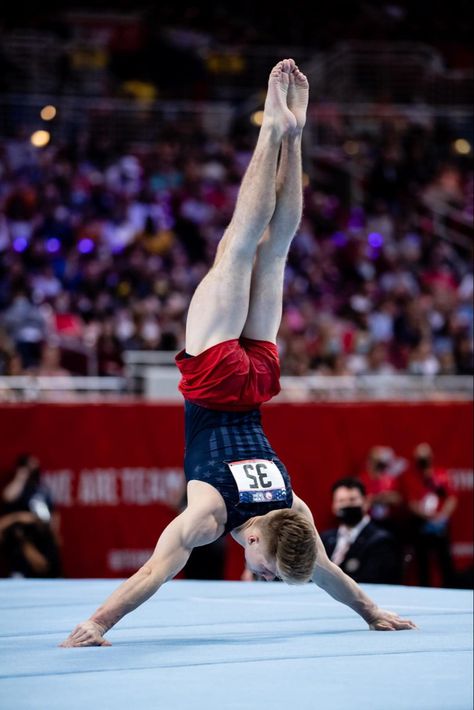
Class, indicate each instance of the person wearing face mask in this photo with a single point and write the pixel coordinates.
(431, 501)
(362, 549)
(381, 480)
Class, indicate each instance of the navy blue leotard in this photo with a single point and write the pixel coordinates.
(213, 439)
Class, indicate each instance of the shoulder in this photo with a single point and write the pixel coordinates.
(204, 500)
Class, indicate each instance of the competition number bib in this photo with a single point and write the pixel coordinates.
(258, 481)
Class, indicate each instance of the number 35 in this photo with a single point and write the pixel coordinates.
(258, 475)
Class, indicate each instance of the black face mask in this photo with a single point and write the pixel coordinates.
(423, 462)
(350, 515)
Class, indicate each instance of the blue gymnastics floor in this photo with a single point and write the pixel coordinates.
(231, 645)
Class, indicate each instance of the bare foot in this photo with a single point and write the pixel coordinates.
(298, 93)
(276, 114)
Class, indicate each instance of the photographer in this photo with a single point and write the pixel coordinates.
(431, 501)
(381, 481)
(29, 539)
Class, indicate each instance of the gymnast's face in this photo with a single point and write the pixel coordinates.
(258, 561)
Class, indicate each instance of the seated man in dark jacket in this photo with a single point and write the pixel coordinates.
(362, 549)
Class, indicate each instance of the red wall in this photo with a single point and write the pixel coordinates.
(116, 468)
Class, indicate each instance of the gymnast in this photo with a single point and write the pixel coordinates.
(235, 481)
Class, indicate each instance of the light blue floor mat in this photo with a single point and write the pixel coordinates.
(234, 645)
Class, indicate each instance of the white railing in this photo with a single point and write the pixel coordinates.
(376, 387)
(160, 383)
(29, 388)
(144, 358)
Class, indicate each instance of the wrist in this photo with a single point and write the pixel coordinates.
(370, 613)
(102, 624)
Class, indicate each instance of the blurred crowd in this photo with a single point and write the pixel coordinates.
(102, 248)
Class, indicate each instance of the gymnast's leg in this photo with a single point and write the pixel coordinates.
(219, 307)
(265, 307)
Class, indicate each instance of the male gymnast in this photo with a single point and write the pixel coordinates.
(236, 482)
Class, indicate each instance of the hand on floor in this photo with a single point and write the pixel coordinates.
(88, 633)
(389, 621)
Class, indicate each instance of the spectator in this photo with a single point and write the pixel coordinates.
(50, 363)
(381, 481)
(29, 527)
(109, 352)
(377, 361)
(422, 360)
(362, 549)
(7, 352)
(432, 502)
(25, 325)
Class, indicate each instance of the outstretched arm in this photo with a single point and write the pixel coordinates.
(190, 529)
(341, 587)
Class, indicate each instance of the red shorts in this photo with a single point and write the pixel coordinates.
(236, 375)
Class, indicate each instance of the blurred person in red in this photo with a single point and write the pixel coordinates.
(431, 501)
(381, 480)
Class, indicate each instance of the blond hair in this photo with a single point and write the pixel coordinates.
(290, 539)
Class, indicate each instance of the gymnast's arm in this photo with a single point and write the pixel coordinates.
(341, 587)
(193, 528)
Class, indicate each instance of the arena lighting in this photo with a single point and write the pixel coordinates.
(462, 146)
(40, 138)
(85, 246)
(53, 245)
(20, 244)
(47, 113)
(375, 240)
(257, 118)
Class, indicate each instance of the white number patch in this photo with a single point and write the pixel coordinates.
(258, 481)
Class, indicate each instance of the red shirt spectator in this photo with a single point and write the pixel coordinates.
(428, 491)
(432, 501)
(382, 486)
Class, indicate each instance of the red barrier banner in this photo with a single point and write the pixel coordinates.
(115, 469)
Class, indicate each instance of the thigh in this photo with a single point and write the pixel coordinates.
(266, 299)
(219, 307)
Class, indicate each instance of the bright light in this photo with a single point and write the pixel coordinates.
(20, 244)
(85, 246)
(40, 138)
(53, 245)
(462, 146)
(375, 240)
(48, 113)
(257, 118)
